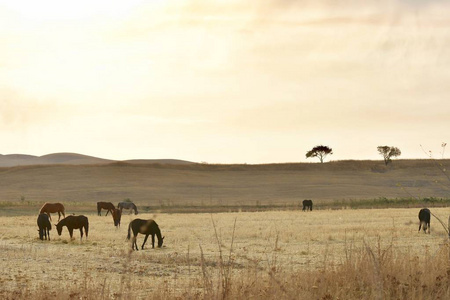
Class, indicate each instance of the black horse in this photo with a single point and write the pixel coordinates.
(74, 222)
(146, 227)
(424, 218)
(307, 204)
(43, 222)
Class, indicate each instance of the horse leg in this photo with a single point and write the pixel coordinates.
(70, 232)
(49, 216)
(99, 211)
(107, 211)
(59, 216)
(420, 225)
(145, 240)
(48, 233)
(81, 233)
(153, 241)
(134, 244)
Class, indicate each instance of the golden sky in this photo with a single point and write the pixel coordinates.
(224, 81)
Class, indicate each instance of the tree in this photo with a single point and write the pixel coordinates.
(388, 152)
(319, 151)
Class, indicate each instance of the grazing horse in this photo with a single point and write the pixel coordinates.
(146, 227)
(127, 205)
(307, 204)
(48, 208)
(74, 222)
(117, 215)
(424, 218)
(43, 222)
(105, 205)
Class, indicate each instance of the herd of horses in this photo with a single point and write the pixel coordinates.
(81, 222)
(145, 227)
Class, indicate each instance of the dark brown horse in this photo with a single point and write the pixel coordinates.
(117, 215)
(307, 205)
(146, 227)
(49, 208)
(105, 205)
(74, 222)
(43, 222)
(424, 218)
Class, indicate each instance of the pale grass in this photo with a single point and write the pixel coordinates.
(345, 254)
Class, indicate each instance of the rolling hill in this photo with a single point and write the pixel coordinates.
(159, 185)
(12, 160)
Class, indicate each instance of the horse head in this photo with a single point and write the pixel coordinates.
(58, 228)
(160, 242)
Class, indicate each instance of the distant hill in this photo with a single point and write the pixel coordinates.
(173, 186)
(13, 160)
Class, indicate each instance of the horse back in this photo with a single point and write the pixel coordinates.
(43, 221)
(424, 215)
(76, 222)
(52, 208)
(144, 226)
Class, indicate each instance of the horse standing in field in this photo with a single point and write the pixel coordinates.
(146, 227)
(424, 218)
(307, 204)
(105, 205)
(74, 222)
(117, 215)
(127, 205)
(48, 208)
(43, 222)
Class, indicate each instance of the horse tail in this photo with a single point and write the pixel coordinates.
(87, 227)
(129, 233)
(42, 208)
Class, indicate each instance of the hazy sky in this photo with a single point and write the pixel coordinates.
(224, 81)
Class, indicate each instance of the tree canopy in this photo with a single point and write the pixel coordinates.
(319, 151)
(388, 152)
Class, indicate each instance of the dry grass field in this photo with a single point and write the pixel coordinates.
(325, 254)
(213, 188)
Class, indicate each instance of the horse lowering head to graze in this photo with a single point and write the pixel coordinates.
(146, 227)
(105, 205)
(43, 222)
(117, 215)
(307, 204)
(127, 205)
(49, 208)
(424, 218)
(74, 222)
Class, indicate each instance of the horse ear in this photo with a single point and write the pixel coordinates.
(163, 237)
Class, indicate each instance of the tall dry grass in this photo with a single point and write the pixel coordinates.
(366, 254)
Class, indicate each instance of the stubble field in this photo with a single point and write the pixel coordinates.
(324, 254)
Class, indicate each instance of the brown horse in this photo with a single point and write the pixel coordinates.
(105, 205)
(74, 222)
(49, 208)
(146, 227)
(117, 215)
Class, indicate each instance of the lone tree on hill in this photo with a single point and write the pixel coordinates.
(388, 152)
(319, 151)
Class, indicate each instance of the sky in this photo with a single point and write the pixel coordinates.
(224, 81)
